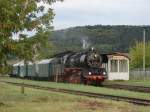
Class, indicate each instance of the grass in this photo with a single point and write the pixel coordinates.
(11, 100)
(145, 83)
(84, 88)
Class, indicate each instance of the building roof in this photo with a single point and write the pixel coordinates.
(119, 54)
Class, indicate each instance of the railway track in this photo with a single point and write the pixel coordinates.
(88, 94)
(128, 87)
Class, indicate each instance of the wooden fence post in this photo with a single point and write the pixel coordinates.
(22, 88)
(56, 75)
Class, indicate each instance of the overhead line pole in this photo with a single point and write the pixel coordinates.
(144, 51)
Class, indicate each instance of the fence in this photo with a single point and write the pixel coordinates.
(139, 74)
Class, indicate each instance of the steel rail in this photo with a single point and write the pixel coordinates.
(88, 94)
(128, 87)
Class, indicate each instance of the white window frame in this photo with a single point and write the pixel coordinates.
(111, 65)
(118, 65)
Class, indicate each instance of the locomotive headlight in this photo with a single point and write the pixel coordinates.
(104, 73)
(90, 73)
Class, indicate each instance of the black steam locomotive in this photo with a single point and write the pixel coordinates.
(84, 67)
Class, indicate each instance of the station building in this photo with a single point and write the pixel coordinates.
(117, 66)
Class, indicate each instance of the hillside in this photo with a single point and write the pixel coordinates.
(105, 38)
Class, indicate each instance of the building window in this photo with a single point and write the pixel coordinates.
(114, 66)
(123, 66)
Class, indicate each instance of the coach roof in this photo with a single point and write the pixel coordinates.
(44, 61)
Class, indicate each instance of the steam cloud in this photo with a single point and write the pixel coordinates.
(85, 43)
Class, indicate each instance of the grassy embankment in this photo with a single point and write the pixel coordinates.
(84, 88)
(11, 100)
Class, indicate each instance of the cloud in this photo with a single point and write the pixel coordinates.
(89, 12)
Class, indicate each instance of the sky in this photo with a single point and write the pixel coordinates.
(70, 13)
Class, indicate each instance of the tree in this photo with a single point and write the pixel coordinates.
(136, 54)
(17, 16)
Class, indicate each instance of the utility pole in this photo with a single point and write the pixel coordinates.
(144, 51)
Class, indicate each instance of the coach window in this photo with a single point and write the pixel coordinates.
(114, 66)
(123, 66)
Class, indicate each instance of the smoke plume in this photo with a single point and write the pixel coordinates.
(85, 43)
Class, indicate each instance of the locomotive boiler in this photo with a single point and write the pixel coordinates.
(84, 67)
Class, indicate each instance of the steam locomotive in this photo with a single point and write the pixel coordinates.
(68, 67)
(84, 67)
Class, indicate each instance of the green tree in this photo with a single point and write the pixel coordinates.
(136, 54)
(17, 16)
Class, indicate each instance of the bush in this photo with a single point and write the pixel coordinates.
(136, 55)
(4, 70)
